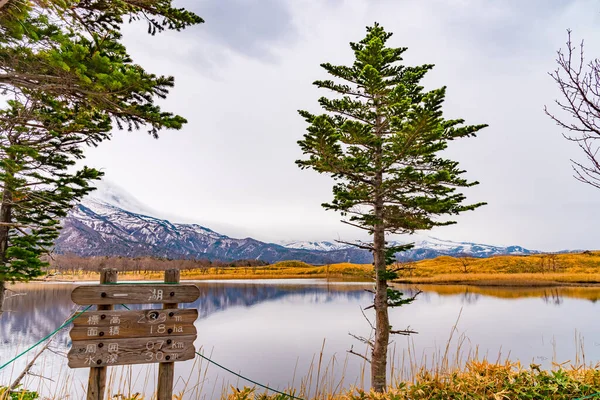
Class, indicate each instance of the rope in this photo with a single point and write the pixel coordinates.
(247, 379)
(43, 339)
(76, 315)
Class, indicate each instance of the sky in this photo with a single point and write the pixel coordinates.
(241, 77)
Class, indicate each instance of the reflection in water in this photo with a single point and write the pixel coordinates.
(273, 331)
(471, 294)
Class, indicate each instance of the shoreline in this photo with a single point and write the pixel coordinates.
(495, 280)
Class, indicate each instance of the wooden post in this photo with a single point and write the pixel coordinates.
(97, 379)
(166, 371)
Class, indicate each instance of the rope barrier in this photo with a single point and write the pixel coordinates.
(43, 339)
(76, 315)
(247, 379)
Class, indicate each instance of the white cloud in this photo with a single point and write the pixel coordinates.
(233, 164)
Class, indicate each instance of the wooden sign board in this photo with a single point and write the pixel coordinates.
(107, 337)
(134, 294)
(134, 324)
(111, 352)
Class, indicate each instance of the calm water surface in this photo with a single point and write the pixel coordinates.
(274, 331)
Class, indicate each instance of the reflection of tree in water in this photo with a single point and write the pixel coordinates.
(552, 296)
(469, 297)
(46, 306)
(467, 294)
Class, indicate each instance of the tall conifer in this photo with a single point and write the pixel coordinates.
(380, 139)
(68, 81)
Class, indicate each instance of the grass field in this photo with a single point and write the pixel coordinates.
(532, 270)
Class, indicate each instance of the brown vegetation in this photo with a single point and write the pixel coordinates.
(530, 271)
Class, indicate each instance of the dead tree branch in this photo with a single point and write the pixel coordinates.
(404, 332)
(579, 86)
(368, 320)
(359, 245)
(351, 351)
(362, 339)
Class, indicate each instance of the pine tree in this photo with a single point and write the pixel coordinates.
(68, 81)
(39, 144)
(380, 139)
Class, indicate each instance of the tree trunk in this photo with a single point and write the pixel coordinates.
(6, 217)
(382, 322)
(2, 296)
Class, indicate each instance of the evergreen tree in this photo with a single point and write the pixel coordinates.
(39, 143)
(68, 81)
(380, 139)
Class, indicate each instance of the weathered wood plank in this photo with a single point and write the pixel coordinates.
(134, 294)
(133, 330)
(110, 352)
(131, 317)
(97, 377)
(166, 371)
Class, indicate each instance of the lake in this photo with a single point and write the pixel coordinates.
(295, 333)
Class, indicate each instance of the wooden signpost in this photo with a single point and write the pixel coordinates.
(107, 337)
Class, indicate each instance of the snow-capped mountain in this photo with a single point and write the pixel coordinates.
(97, 228)
(423, 247)
(322, 246)
(109, 222)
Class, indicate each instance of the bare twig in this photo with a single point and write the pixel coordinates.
(362, 339)
(40, 376)
(579, 85)
(351, 351)
(404, 332)
(368, 320)
(58, 353)
(359, 245)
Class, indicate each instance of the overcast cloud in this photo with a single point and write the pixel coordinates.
(241, 76)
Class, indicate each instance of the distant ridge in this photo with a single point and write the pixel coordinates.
(101, 226)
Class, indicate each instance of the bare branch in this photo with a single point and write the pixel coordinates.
(404, 332)
(365, 315)
(360, 246)
(579, 85)
(362, 339)
(40, 376)
(354, 225)
(351, 351)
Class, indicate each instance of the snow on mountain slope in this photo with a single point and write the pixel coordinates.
(110, 222)
(424, 247)
(320, 246)
(108, 192)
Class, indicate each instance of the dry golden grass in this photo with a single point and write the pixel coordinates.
(280, 270)
(533, 270)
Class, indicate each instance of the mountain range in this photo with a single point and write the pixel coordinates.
(101, 225)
